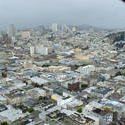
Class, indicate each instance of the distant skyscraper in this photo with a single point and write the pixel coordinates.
(64, 28)
(91, 29)
(41, 29)
(3, 36)
(54, 27)
(11, 30)
(74, 28)
(32, 50)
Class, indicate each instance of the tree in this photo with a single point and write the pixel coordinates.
(41, 97)
(83, 86)
(79, 110)
(76, 66)
(45, 65)
(103, 78)
(118, 73)
(21, 106)
(4, 74)
(30, 110)
(4, 123)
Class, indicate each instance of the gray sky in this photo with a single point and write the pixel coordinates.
(101, 13)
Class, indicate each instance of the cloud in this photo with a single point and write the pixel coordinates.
(34, 12)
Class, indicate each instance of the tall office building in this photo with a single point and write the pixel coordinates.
(91, 29)
(74, 28)
(64, 28)
(41, 29)
(54, 27)
(32, 50)
(3, 36)
(11, 30)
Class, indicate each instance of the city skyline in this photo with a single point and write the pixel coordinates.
(62, 62)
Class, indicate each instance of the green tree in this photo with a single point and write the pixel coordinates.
(45, 65)
(79, 110)
(76, 66)
(4, 123)
(30, 110)
(103, 79)
(21, 106)
(41, 97)
(83, 86)
(118, 73)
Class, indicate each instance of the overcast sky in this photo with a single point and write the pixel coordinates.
(101, 13)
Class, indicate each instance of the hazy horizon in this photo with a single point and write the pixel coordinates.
(29, 13)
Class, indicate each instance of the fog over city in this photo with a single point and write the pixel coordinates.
(62, 62)
(100, 13)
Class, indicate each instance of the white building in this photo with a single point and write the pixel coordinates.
(74, 28)
(32, 50)
(10, 115)
(2, 99)
(36, 92)
(54, 27)
(41, 49)
(69, 102)
(38, 80)
(25, 34)
(64, 28)
(41, 29)
(11, 30)
(61, 77)
(86, 69)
